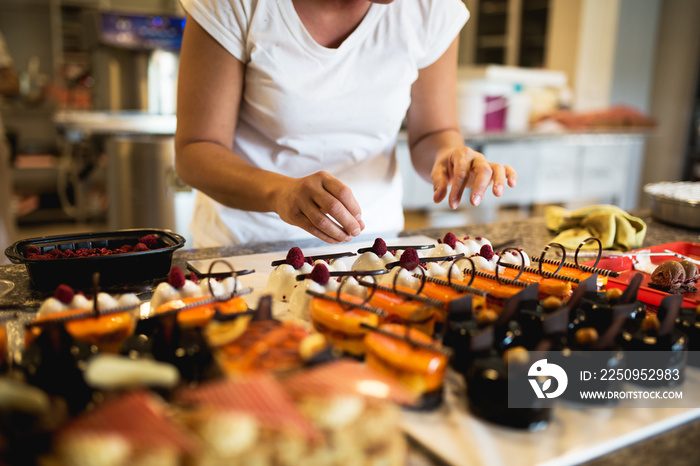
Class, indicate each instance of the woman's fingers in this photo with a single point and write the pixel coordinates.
(341, 205)
(465, 168)
(324, 207)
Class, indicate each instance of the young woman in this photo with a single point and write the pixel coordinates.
(289, 112)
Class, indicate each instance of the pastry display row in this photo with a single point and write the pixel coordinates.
(199, 373)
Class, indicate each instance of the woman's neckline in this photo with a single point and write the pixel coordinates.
(298, 27)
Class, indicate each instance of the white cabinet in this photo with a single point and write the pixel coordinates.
(582, 168)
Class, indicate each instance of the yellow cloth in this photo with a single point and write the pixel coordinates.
(615, 228)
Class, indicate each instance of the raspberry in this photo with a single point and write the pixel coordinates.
(409, 259)
(126, 248)
(295, 257)
(486, 252)
(55, 253)
(68, 253)
(149, 240)
(193, 278)
(140, 247)
(379, 247)
(450, 239)
(320, 274)
(176, 277)
(32, 250)
(64, 293)
(466, 238)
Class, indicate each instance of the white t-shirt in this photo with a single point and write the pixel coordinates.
(308, 108)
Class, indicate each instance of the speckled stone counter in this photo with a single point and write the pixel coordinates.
(675, 446)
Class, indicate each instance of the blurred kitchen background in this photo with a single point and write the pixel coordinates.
(588, 99)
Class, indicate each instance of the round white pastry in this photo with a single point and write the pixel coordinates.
(513, 257)
(52, 305)
(370, 261)
(441, 269)
(300, 300)
(405, 278)
(282, 281)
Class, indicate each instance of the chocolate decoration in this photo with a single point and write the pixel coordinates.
(668, 313)
(544, 253)
(398, 247)
(630, 293)
(423, 260)
(456, 286)
(336, 255)
(346, 273)
(578, 249)
(264, 311)
(521, 268)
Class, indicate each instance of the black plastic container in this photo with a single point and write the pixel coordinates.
(130, 268)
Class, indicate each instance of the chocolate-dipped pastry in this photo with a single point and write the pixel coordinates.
(668, 276)
(28, 417)
(658, 333)
(487, 391)
(688, 322)
(600, 309)
(469, 333)
(547, 318)
(691, 277)
(54, 362)
(488, 377)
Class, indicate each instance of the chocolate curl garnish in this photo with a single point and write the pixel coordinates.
(398, 247)
(583, 243)
(512, 304)
(233, 274)
(373, 285)
(585, 268)
(458, 310)
(522, 263)
(610, 334)
(418, 344)
(544, 253)
(264, 311)
(346, 273)
(540, 272)
(423, 260)
(464, 272)
(222, 275)
(459, 288)
(668, 313)
(95, 291)
(328, 257)
(630, 294)
(348, 304)
(422, 279)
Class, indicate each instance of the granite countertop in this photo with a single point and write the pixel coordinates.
(531, 235)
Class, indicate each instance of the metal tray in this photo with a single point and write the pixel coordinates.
(668, 207)
(115, 270)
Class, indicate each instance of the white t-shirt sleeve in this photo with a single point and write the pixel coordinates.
(444, 19)
(226, 21)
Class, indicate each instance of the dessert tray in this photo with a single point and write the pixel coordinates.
(451, 433)
(652, 296)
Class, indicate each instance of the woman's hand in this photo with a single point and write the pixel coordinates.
(462, 167)
(321, 205)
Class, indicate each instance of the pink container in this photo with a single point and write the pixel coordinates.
(495, 114)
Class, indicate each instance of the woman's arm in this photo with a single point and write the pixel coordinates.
(210, 88)
(437, 147)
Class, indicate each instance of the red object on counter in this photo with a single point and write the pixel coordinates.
(651, 296)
